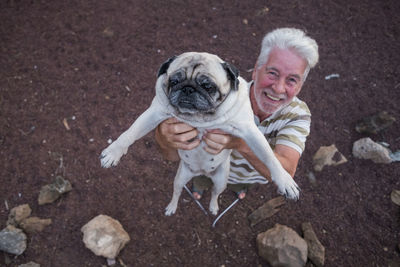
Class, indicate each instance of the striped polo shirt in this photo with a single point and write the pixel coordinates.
(289, 126)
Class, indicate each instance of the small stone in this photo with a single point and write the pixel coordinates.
(104, 236)
(12, 240)
(30, 264)
(326, 156)
(51, 192)
(312, 178)
(108, 32)
(267, 210)
(34, 224)
(316, 251)
(111, 262)
(365, 148)
(395, 197)
(18, 214)
(48, 194)
(375, 123)
(282, 246)
(395, 156)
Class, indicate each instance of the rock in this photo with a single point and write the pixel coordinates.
(108, 32)
(312, 178)
(30, 264)
(326, 156)
(51, 192)
(316, 251)
(111, 262)
(266, 210)
(365, 148)
(12, 240)
(48, 194)
(34, 224)
(282, 246)
(395, 197)
(375, 123)
(395, 156)
(104, 236)
(18, 213)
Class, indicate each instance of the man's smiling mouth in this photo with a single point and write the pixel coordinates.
(271, 97)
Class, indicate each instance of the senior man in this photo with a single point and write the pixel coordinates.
(286, 57)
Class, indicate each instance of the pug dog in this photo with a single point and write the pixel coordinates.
(205, 92)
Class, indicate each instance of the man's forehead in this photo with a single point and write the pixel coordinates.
(287, 61)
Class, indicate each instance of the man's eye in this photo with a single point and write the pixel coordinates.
(272, 74)
(292, 81)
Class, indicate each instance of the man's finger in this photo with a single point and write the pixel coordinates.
(188, 145)
(216, 131)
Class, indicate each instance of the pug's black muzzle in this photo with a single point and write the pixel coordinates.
(188, 96)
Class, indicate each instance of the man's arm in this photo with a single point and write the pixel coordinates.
(217, 140)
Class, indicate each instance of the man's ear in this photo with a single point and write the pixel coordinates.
(164, 67)
(233, 74)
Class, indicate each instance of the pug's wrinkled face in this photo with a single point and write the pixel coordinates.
(197, 82)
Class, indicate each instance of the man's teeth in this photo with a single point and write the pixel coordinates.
(273, 98)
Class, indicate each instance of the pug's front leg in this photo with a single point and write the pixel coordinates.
(142, 126)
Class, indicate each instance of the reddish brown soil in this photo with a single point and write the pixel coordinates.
(96, 61)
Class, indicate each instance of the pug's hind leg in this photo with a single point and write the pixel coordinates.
(183, 176)
(219, 179)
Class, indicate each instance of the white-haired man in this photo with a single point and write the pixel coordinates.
(286, 57)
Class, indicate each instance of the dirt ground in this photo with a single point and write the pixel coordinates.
(94, 64)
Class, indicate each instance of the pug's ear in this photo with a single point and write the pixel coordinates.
(164, 67)
(233, 74)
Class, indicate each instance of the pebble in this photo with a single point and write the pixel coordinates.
(12, 240)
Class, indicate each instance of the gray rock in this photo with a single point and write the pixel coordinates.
(34, 224)
(12, 240)
(365, 148)
(316, 251)
(375, 123)
(30, 264)
(282, 246)
(395, 156)
(326, 156)
(18, 214)
(104, 236)
(312, 178)
(51, 192)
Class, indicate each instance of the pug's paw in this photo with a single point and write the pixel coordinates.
(111, 155)
(287, 186)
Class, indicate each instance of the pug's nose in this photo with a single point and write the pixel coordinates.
(188, 90)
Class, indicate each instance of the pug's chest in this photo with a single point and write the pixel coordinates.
(200, 162)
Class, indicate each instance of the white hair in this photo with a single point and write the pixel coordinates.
(293, 39)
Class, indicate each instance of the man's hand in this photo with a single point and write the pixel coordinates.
(172, 135)
(218, 140)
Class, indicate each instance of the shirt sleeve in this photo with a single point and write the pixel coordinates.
(295, 132)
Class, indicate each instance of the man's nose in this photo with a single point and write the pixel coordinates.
(279, 86)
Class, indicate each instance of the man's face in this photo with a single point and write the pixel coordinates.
(277, 82)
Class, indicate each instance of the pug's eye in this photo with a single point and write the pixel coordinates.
(176, 78)
(173, 82)
(206, 84)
